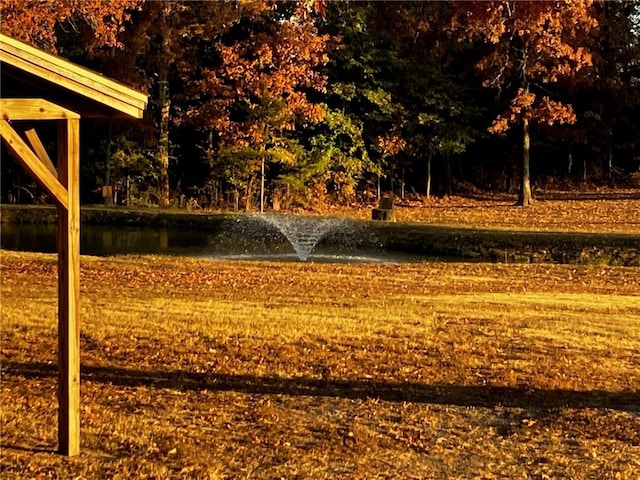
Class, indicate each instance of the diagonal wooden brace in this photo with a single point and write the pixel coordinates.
(34, 165)
(39, 150)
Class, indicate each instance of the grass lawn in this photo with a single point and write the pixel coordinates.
(195, 368)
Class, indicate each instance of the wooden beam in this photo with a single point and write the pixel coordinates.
(40, 151)
(72, 77)
(33, 109)
(62, 67)
(33, 165)
(69, 290)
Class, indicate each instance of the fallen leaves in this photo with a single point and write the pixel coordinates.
(212, 369)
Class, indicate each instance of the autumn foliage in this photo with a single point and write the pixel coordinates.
(35, 21)
(271, 60)
(336, 101)
(533, 45)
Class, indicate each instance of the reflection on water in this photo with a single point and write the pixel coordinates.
(103, 240)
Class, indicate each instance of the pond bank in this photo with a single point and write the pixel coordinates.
(442, 242)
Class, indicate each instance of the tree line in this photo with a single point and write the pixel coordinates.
(277, 104)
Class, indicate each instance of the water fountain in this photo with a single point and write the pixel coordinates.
(302, 232)
(286, 237)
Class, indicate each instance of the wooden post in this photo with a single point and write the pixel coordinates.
(69, 289)
(35, 72)
(64, 187)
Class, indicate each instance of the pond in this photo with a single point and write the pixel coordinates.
(286, 237)
(233, 243)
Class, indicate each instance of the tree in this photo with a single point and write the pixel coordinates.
(363, 76)
(440, 107)
(397, 75)
(530, 46)
(151, 50)
(338, 155)
(157, 55)
(191, 55)
(254, 83)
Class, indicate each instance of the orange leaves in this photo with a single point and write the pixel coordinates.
(526, 105)
(469, 364)
(552, 112)
(499, 125)
(267, 71)
(35, 21)
(306, 7)
(524, 99)
(535, 44)
(391, 144)
(520, 107)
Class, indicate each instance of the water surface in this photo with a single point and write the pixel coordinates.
(266, 245)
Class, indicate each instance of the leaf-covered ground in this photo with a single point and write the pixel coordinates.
(606, 212)
(211, 369)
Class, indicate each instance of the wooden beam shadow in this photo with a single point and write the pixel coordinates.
(486, 396)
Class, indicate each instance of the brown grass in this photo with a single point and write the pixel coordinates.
(209, 369)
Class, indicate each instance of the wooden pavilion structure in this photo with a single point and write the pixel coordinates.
(37, 86)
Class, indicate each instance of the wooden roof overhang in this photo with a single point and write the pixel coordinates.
(28, 72)
(36, 86)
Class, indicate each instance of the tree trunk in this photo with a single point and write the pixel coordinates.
(525, 197)
(448, 188)
(108, 199)
(163, 144)
(128, 190)
(428, 188)
(262, 187)
(248, 203)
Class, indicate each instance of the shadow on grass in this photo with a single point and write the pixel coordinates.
(444, 394)
(580, 196)
(28, 449)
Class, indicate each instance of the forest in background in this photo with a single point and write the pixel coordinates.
(274, 105)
